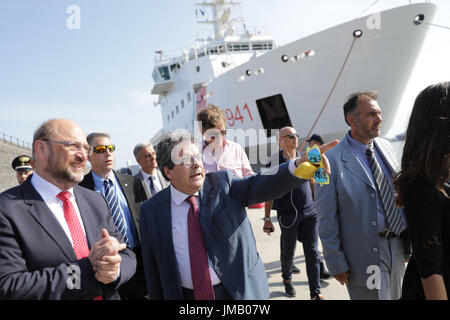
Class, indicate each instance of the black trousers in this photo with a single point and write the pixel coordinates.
(304, 229)
(135, 288)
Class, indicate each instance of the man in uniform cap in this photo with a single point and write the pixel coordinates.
(23, 167)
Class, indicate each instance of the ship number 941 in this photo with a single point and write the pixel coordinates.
(235, 116)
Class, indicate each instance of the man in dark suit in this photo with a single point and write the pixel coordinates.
(150, 176)
(124, 195)
(197, 242)
(58, 240)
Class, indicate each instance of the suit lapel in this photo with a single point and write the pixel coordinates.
(388, 159)
(42, 214)
(140, 176)
(353, 165)
(163, 207)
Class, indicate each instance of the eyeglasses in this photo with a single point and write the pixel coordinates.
(213, 135)
(72, 146)
(189, 161)
(290, 136)
(102, 149)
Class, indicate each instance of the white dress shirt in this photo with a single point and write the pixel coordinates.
(179, 209)
(156, 183)
(48, 192)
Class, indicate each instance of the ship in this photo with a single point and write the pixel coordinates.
(263, 87)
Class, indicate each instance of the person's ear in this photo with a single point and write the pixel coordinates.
(168, 172)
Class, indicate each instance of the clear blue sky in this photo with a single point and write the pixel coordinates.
(100, 75)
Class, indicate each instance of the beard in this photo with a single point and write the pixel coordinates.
(59, 173)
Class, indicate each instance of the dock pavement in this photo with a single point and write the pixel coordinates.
(269, 250)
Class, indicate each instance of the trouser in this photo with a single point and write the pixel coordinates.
(391, 271)
(135, 288)
(305, 230)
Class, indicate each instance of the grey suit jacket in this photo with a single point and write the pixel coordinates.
(347, 209)
(163, 181)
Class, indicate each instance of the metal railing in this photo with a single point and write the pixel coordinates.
(14, 141)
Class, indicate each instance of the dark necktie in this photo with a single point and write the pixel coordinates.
(152, 186)
(392, 213)
(116, 211)
(201, 279)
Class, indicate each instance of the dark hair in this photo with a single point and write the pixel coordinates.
(211, 116)
(354, 99)
(166, 145)
(92, 136)
(315, 137)
(426, 154)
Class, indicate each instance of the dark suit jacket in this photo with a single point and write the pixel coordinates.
(163, 181)
(36, 255)
(227, 232)
(132, 188)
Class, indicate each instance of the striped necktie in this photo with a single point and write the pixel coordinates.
(392, 213)
(116, 211)
(201, 279)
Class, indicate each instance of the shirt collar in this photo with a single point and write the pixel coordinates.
(355, 144)
(46, 189)
(98, 181)
(178, 197)
(146, 175)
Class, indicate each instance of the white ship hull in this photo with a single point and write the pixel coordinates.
(381, 59)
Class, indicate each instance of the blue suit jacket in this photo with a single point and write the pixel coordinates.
(35, 253)
(226, 230)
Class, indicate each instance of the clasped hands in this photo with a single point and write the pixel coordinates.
(105, 259)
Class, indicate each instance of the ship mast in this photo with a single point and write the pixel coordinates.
(221, 17)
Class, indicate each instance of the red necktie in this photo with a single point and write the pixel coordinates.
(80, 245)
(201, 279)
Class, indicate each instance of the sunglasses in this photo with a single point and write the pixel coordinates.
(102, 149)
(290, 136)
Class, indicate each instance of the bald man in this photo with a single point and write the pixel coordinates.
(58, 240)
(298, 221)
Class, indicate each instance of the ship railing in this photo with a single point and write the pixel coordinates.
(14, 141)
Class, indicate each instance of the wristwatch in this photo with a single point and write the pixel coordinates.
(266, 218)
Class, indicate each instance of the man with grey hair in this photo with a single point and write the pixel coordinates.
(152, 179)
(359, 225)
(197, 242)
(58, 240)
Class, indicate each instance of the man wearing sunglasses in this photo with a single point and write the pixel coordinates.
(124, 195)
(298, 221)
(197, 242)
(57, 239)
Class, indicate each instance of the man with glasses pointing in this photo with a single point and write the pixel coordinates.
(124, 195)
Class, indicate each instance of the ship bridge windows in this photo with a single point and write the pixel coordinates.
(238, 46)
(273, 113)
(259, 46)
(164, 72)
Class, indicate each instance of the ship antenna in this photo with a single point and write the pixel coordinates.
(221, 10)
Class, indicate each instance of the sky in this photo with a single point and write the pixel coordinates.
(93, 64)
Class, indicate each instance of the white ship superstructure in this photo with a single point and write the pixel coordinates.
(262, 86)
